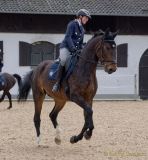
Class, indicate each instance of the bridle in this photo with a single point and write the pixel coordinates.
(101, 59)
(100, 46)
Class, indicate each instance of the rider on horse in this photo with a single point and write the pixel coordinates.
(72, 42)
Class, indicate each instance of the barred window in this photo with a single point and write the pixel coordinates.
(33, 54)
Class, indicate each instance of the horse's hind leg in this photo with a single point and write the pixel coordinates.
(53, 116)
(9, 97)
(38, 101)
(10, 100)
(2, 97)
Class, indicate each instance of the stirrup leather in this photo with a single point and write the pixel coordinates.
(56, 87)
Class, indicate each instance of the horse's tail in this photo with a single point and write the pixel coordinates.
(19, 80)
(25, 87)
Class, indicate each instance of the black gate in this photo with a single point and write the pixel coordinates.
(143, 76)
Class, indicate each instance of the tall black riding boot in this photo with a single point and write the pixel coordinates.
(56, 86)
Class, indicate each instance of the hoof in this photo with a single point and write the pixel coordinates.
(86, 136)
(38, 140)
(57, 140)
(73, 140)
(9, 107)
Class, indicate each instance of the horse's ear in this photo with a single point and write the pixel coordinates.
(91, 32)
(96, 34)
(115, 33)
(107, 30)
(99, 33)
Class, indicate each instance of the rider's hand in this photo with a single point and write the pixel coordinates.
(73, 50)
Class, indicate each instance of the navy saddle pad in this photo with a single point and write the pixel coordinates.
(69, 67)
(53, 70)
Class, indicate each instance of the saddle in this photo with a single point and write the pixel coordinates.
(69, 67)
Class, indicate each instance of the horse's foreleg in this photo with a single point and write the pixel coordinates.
(10, 101)
(84, 132)
(38, 101)
(88, 132)
(53, 116)
(88, 113)
(79, 137)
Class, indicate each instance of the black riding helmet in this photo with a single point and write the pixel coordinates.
(83, 12)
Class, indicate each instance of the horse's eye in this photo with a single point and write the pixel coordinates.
(108, 48)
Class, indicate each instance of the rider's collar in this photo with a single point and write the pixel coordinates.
(79, 22)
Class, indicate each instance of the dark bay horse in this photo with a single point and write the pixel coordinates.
(82, 84)
(7, 81)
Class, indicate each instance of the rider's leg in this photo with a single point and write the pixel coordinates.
(64, 53)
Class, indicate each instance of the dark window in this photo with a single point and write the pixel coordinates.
(33, 54)
(122, 54)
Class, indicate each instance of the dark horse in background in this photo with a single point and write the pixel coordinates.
(82, 84)
(7, 81)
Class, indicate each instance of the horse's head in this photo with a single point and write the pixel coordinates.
(106, 51)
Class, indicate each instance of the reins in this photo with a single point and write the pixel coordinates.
(89, 61)
(98, 48)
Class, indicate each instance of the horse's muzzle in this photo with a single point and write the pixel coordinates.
(110, 68)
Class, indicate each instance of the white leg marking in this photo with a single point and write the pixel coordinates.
(38, 140)
(58, 137)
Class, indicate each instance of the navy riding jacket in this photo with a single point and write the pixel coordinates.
(73, 37)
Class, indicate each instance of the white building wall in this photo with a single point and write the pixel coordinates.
(123, 81)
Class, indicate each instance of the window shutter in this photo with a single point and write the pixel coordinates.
(1, 50)
(122, 55)
(24, 53)
(57, 50)
(48, 51)
(36, 58)
(40, 51)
